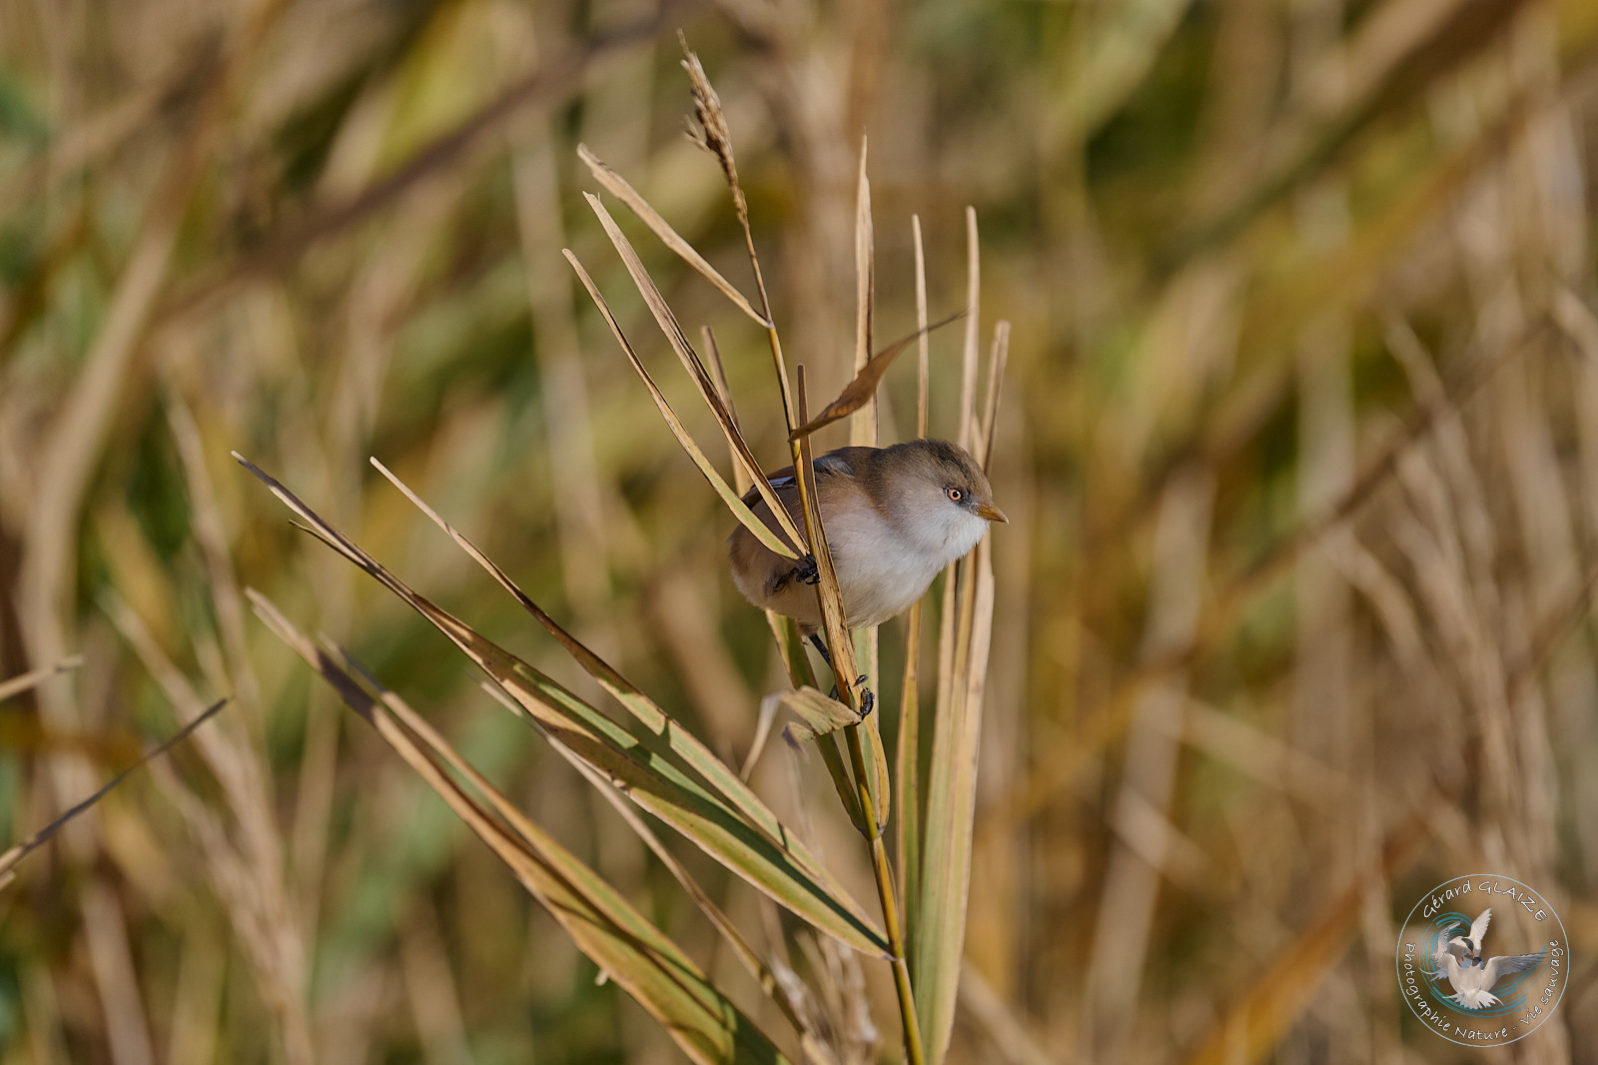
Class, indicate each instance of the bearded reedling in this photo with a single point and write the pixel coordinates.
(894, 518)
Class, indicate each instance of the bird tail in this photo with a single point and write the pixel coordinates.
(1476, 1000)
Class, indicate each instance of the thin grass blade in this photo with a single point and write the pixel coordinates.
(11, 857)
(938, 936)
(647, 713)
(618, 187)
(729, 496)
(628, 948)
(969, 355)
(990, 413)
(907, 760)
(696, 368)
(863, 424)
(651, 758)
(746, 954)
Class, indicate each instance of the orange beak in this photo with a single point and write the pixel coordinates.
(991, 512)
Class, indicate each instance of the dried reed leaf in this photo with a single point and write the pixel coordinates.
(757, 745)
(907, 760)
(729, 496)
(627, 947)
(922, 330)
(818, 715)
(714, 914)
(999, 355)
(653, 760)
(859, 392)
(694, 365)
(863, 430)
(969, 354)
(863, 424)
(881, 776)
(696, 369)
(938, 935)
(820, 718)
(740, 477)
(618, 187)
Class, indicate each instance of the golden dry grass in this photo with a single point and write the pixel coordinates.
(1299, 440)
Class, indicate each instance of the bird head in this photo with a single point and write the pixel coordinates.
(937, 493)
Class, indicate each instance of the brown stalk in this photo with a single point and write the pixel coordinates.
(841, 648)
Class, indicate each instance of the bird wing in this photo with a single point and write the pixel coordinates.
(1478, 928)
(1507, 965)
(839, 463)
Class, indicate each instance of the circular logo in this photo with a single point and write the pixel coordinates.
(1482, 960)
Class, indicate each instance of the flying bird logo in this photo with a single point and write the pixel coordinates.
(1459, 960)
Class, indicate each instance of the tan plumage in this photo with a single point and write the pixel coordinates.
(894, 517)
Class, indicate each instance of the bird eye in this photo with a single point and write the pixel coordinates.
(954, 494)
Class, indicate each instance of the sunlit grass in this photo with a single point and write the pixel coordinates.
(1297, 437)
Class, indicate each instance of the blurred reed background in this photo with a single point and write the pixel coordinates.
(1299, 441)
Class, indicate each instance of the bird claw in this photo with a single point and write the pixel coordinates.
(806, 571)
(868, 698)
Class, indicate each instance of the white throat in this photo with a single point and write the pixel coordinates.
(951, 534)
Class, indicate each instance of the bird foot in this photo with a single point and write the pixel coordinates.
(868, 698)
(806, 571)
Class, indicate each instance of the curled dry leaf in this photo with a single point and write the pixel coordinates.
(858, 393)
(818, 715)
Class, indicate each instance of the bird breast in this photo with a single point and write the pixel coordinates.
(881, 572)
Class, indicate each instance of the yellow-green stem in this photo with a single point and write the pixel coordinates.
(914, 1055)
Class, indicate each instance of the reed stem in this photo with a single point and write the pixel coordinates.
(841, 648)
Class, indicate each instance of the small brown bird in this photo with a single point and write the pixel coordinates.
(894, 517)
